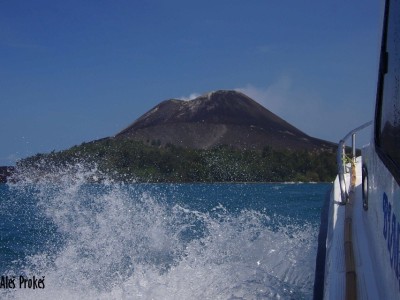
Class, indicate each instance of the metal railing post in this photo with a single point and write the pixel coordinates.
(341, 162)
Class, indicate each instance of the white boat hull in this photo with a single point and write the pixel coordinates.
(376, 257)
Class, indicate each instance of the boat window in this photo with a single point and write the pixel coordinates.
(388, 110)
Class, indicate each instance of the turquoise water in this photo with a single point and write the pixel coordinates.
(159, 241)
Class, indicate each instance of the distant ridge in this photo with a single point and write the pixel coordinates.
(223, 117)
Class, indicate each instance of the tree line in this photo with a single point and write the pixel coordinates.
(129, 160)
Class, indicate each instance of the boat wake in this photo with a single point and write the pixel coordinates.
(131, 241)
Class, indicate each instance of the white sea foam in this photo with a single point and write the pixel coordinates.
(121, 242)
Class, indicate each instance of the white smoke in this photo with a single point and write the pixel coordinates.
(190, 97)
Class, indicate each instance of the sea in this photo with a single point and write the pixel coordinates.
(68, 237)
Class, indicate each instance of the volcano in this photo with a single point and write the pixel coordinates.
(223, 117)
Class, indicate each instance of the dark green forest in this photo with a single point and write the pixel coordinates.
(128, 160)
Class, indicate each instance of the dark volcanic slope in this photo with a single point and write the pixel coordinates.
(218, 118)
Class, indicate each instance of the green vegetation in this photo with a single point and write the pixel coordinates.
(128, 160)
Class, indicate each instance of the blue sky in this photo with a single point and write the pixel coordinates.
(75, 71)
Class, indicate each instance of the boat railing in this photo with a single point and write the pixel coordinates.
(342, 160)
